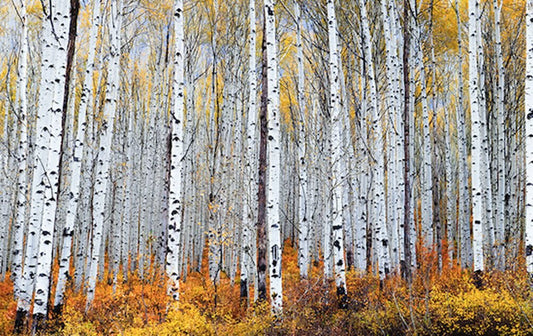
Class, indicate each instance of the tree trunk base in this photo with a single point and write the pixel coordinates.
(39, 324)
(477, 278)
(342, 297)
(244, 292)
(20, 321)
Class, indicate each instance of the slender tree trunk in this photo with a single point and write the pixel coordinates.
(274, 161)
(106, 137)
(477, 197)
(500, 104)
(463, 221)
(337, 174)
(407, 223)
(303, 237)
(250, 203)
(529, 137)
(176, 152)
(261, 189)
(22, 156)
(75, 166)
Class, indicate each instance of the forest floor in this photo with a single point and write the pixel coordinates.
(436, 303)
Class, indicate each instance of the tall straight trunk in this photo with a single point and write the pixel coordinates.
(44, 265)
(337, 174)
(450, 189)
(463, 220)
(407, 223)
(176, 152)
(303, 236)
(274, 161)
(75, 165)
(426, 207)
(250, 203)
(22, 155)
(500, 104)
(361, 224)
(49, 71)
(104, 155)
(261, 182)
(473, 78)
(529, 137)
(378, 216)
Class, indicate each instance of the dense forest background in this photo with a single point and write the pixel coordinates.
(261, 167)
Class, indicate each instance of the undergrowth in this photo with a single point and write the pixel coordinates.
(445, 302)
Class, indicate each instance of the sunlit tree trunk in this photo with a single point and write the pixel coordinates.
(274, 160)
(473, 86)
(337, 174)
(22, 156)
(75, 165)
(378, 216)
(176, 152)
(59, 37)
(250, 200)
(104, 154)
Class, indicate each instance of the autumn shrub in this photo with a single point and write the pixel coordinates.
(437, 302)
(8, 306)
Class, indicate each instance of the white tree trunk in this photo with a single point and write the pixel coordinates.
(61, 12)
(104, 153)
(378, 216)
(338, 177)
(176, 164)
(22, 156)
(529, 137)
(250, 200)
(463, 220)
(75, 165)
(477, 197)
(273, 191)
(303, 236)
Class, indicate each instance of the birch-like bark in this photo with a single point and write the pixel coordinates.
(378, 216)
(250, 203)
(500, 105)
(22, 155)
(61, 19)
(529, 137)
(104, 153)
(337, 174)
(463, 220)
(75, 165)
(303, 236)
(426, 207)
(176, 154)
(477, 197)
(38, 167)
(274, 161)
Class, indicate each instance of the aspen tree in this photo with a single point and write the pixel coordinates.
(22, 155)
(274, 161)
(250, 205)
(337, 174)
(76, 164)
(104, 156)
(377, 213)
(176, 152)
(476, 161)
(463, 220)
(529, 138)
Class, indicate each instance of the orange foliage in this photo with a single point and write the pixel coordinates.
(444, 302)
